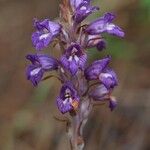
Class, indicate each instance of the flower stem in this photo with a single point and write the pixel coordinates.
(78, 121)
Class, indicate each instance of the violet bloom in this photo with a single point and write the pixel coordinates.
(68, 99)
(46, 32)
(74, 59)
(99, 93)
(83, 10)
(96, 68)
(96, 41)
(40, 64)
(104, 24)
(99, 70)
(108, 78)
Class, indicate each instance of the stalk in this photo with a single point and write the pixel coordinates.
(77, 124)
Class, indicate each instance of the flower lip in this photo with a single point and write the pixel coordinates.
(34, 74)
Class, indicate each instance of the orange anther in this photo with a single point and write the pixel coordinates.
(75, 104)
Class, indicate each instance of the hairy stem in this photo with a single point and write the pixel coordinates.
(77, 124)
(75, 137)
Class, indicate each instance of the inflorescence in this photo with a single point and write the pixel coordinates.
(80, 81)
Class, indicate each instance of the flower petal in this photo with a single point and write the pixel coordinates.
(109, 78)
(76, 3)
(63, 108)
(64, 61)
(47, 62)
(73, 67)
(94, 70)
(99, 93)
(32, 58)
(41, 40)
(34, 74)
(82, 61)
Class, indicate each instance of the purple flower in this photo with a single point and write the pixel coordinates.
(83, 10)
(99, 93)
(112, 103)
(99, 70)
(104, 24)
(40, 64)
(46, 32)
(68, 99)
(96, 41)
(74, 59)
(108, 78)
(96, 68)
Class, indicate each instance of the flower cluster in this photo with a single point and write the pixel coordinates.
(73, 37)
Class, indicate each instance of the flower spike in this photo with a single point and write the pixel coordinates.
(84, 83)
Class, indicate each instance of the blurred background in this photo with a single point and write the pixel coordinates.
(27, 113)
